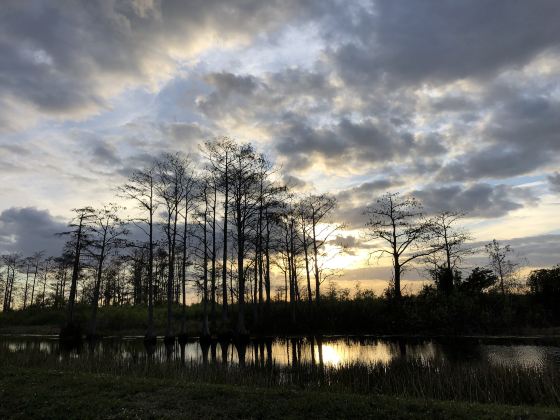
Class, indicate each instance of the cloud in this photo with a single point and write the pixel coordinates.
(554, 182)
(70, 58)
(441, 41)
(352, 202)
(521, 136)
(28, 230)
(293, 182)
(344, 144)
(437, 97)
(477, 200)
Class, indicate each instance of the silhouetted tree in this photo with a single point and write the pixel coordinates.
(106, 232)
(219, 154)
(314, 211)
(78, 237)
(450, 239)
(141, 188)
(500, 263)
(171, 177)
(12, 262)
(478, 280)
(399, 223)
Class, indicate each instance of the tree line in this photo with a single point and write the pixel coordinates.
(216, 229)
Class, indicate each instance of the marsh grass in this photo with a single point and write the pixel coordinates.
(471, 382)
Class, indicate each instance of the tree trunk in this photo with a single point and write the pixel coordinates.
(240, 276)
(26, 286)
(150, 335)
(225, 250)
(213, 274)
(95, 301)
(75, 274)
(205, 329)
(316, 262)
(184, 274)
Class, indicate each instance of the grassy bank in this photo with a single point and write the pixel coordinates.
(469, 382)
(54, 393)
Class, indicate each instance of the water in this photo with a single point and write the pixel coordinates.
(330, 351)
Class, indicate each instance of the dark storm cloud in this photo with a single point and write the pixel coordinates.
(28, 230)
(438, 41)
(477, 200)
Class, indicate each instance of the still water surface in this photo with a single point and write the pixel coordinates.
(330, 351)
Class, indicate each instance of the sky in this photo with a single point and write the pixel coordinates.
(456, 102)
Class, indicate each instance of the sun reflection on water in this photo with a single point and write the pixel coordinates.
(330, 355)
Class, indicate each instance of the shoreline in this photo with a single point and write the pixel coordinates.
(538, 339)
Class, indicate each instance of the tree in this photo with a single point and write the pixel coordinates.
(203, 216)
(399, 223)
(314, 210)
(106, 231)
(219, 154)
(246, 171)
(501, 264)
(545, 282)
(37, 258)
(12, 263)
(78, 238)
(171, 177)
(189, 186)
(450, 240)
(141, 188)
(478, 280)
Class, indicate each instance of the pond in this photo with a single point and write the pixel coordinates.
(327, 351)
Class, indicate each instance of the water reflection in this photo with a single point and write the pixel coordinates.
(295, 351)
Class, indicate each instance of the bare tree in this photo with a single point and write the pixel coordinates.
(106, 230)
(12, 263)
(219, 154)
(37, 258)
(399, 223)
(141, 188)
(314, 213)
(172, 174)
(78, 237)
(450, 240)
(501, 264)
(189, 186)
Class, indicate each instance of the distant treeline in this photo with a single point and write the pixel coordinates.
(220, 229)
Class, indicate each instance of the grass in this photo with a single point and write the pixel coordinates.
(469, 382)
(40, 392)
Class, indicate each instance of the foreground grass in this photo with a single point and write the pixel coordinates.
(468, 382)
(47, 393)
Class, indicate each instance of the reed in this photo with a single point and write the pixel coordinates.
(471, 382)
